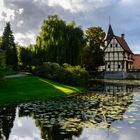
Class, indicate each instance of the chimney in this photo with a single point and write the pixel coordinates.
(122, 36)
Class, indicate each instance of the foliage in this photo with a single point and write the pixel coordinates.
(95, 36)
(2, 64)
(2, 59)
(26, 57)
(30, 88)
(7, 71)
(92, 56)
(9, 47)
(59, 42)
(87, 58)
(72, 75)
(0, 42)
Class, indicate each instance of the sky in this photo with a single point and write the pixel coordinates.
(26, 17)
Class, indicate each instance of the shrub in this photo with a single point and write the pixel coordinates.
(72, 75)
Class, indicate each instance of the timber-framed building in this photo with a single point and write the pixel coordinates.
(118, 56)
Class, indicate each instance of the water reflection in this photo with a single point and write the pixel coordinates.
(118, 89)
(111, 114)
(24, 128)
(7, 116)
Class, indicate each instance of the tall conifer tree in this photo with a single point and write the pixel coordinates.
(8, 45)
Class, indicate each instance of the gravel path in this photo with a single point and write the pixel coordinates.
(16, 75)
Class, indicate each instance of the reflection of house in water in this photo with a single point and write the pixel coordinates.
(95, 85)
(115, 89)
(113, 106)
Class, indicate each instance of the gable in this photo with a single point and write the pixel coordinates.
(114, 45)
(113, 39)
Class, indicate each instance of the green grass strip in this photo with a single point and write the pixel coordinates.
(31, 88)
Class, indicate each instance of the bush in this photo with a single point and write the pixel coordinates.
(72, 75)
(7, 71)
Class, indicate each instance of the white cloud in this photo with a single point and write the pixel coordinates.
(127, 1)
(79, 5)
(9, 14)
(29, 38)
(92, 134)
(19, 24)
(0, 33)
(20, 131)
(28, 15)
(19, 123)
(1, 6)
(20, 11)
(67, 4)
(5, 13)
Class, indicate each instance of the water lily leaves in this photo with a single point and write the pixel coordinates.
(91, 110)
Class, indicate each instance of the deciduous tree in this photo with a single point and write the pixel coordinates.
(26, 56)
(59, 42)
(94, 52)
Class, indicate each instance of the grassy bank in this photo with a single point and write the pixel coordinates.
(7, 72)
(30, 88)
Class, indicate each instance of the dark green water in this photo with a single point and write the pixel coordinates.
(111, 114)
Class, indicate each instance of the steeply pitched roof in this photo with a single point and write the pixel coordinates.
(121, 40)
(123, 44)
(110, 34)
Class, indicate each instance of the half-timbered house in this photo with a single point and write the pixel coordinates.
(118, 55)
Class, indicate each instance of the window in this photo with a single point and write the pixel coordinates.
(109, 66)
(111, 45)
(116, 45)
(119, 66)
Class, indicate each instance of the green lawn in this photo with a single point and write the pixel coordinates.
(7, 72)
(30, 88)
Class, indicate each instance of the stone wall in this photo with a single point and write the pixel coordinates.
(122, 75)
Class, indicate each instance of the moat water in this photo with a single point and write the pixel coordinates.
(111, 112)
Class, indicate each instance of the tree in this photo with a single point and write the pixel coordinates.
(50, 42)
(76, 43)
(0, 42)
(26, 56)
(95, 39)
(2, 59)
(9, 47)
(87, 58)
(59, 42)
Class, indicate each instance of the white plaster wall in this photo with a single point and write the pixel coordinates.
(117, 55)
(113, 48)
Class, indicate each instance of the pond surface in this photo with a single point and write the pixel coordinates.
(113, 113)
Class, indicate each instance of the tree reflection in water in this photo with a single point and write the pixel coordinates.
(7, 116)
(65, 118)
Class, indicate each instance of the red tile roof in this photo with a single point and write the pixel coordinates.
(123, 44)
(136, 64)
